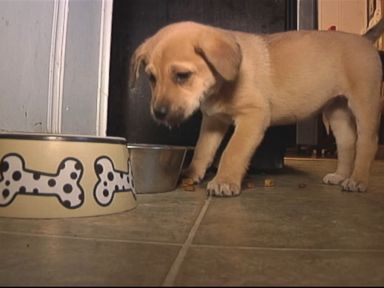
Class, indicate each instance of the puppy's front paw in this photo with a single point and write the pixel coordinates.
(351, 185)
(222, 188)
(333, 179)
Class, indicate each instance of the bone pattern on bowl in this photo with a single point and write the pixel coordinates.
(16, 179)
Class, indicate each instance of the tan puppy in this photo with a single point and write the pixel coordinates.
(255, 81)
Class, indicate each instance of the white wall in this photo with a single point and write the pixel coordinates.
(25, 43)
(54, 64)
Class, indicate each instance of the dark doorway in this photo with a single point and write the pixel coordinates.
(135, 20)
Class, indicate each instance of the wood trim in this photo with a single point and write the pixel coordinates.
(104, 61)
(56, 65)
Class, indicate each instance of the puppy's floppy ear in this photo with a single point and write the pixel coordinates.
(139, 58)
(221, 51)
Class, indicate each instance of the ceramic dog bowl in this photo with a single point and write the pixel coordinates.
(55, 176)
(156, 168)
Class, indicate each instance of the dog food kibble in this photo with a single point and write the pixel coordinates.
(189, 188)
(268, 183)
(187, 184)
(302, 185)
(250, 184)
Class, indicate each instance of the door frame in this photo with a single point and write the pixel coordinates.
(57, 66)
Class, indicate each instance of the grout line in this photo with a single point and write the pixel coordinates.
(255, 248)
(89, 238)
(193, 245)
(174, 270)
(282, 249)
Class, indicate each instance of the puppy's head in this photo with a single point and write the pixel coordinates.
(185, 62)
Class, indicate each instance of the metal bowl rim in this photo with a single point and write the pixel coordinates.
(157, 147)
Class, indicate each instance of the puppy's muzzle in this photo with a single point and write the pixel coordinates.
(161, 112)
(164, 114)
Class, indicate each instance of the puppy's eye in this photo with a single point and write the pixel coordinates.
(152, 78)
(182, 77)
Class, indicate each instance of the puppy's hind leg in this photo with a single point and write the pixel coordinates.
(341, 121)
(367, 115)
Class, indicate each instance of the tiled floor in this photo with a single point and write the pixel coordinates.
(299, 232)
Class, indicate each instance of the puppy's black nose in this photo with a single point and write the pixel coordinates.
(161, 112)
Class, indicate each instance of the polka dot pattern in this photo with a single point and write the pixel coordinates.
(111, 181)
(17, 179)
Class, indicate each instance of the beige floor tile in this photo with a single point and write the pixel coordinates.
(50, 261)
(317, 216)
(299, 232)
(163, 217)
(247, 267)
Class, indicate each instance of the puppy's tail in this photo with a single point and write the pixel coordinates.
(375, 32)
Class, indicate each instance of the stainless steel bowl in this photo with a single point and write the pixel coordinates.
(156, 168)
